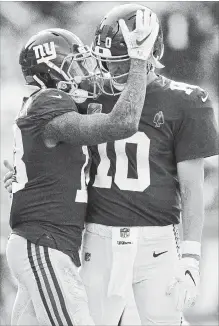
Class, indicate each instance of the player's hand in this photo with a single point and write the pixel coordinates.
(185, 285)
(8, 176)
(140, 42)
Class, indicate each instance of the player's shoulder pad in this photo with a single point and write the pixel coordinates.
(52, 99)
(189, 96)
(52, 94)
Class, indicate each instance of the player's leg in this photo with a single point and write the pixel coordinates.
(28, 316)
(95, 272)
(130, 315)
(23, 312)
(64, 276)
(24, 265)
(154, 268)
(53, 282)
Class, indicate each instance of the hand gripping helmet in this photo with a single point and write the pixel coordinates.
(57, 58)
(109, 44)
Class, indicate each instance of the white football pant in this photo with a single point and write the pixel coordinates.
(117, 261)
(50, 290)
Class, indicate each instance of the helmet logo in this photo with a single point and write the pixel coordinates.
(45, 52)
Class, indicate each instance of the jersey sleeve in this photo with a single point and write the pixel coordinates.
(44, 106)
(197, 132)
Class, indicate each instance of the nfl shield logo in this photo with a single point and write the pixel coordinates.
(87, 256)
(124, 232)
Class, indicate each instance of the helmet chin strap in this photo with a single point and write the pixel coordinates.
(79, 95)
(39, 81)
(118, 86)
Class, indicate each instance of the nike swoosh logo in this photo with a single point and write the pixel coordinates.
(189, 273)
(56, 96)
(142, 41)
(160, 253)
(204, 99)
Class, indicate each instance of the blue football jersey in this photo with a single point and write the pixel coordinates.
(134, 181)
(49, 190)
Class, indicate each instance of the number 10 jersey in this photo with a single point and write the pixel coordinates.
(134, 180)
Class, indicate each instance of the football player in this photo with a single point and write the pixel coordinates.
(189, 108)
(49, 183)
(139, 186)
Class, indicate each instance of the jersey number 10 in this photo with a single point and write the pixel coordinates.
(102, 180)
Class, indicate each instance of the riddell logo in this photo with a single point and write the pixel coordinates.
(45, 52)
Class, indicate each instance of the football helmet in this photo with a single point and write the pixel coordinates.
(109, 45)
(57, 58)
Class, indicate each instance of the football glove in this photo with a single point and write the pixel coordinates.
(185, 285)
(140, 42)
(8, 178)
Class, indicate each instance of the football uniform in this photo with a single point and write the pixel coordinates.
(47, 215)
(134, 203)
(136, 178)
(49, 189)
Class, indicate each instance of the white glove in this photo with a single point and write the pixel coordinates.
(140, 42)
(185, 285)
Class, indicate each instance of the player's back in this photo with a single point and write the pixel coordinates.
(48, 192)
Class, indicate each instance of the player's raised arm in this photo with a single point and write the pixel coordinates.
(123, 120)
(120, 123)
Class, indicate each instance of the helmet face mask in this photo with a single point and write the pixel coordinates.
(109, 46)
(79, 64)
(56, 58)
(112, 74)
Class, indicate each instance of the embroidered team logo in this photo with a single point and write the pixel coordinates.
(124, 232)
(158, 119)
(45, 52)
